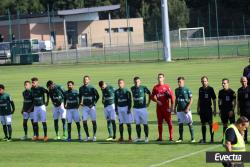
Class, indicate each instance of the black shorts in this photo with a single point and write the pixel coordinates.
(225, 118)
(206, 116)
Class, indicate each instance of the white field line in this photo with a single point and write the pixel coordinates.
(184, 156)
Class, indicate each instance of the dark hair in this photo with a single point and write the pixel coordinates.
(72, 82)
(225, 79)
(204, 77)
(26, 82)
(49, 83)
(34, 79)
(180, 78)
(161, 74)
(101, 83)
(120, 80)
(2, 86)
(136, 78)
(86, 76)
(242, 120)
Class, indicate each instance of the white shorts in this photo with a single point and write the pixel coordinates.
(72, 115)
(141, 115)
(28, 115)
(59, 112)
(6, 120)
(40, 113)
(184, 117)
(109, 112)
(86, 112)
(124, 117)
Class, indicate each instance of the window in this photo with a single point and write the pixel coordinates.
(120, 30)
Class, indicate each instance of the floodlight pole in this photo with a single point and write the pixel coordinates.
(217, 27)
(165, 31)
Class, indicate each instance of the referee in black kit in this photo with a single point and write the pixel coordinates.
(204, 108)
(243, 101)
(227, 103)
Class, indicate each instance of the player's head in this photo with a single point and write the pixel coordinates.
(102, 84)
(86, 80)
(225, 83)
(70, 85)
(242, 124)
(2, 88)
(204, 81)
(137, 81)
(27, 85)
(50, 84)
(243, 81)
(161, 78)
(121, 83)
(181, 81)
(34, 81)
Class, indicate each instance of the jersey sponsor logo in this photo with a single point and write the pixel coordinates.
(108, 98)
(122, 100)
(38, 98)
(27, 101)
(138, 99)
(71, 101)
(57, 97)
(87, 97)
(3, 105)
(206, 96)
(246, 95)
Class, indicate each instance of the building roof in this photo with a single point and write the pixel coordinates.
(64, 12)
(88, 10)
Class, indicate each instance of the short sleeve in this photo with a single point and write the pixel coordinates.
(190, 93)
(230, 135)
(146, 90)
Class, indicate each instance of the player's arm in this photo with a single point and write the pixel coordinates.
(149, 97)
(214, 101)
(116, 103)
(80, 97)
(228, 146)
(129, 102)
(234, 104)
(198, 106)
(238, 103)
(65, 101)
(190, 101)
(12, 106)
(171, 100)
(176, 102)
(153, 95)
(47, 97)
(96, 96)
(189, 104)
(214, 104)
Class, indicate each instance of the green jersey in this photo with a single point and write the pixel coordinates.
(122, 98)
(56, 95)
(38, 95)
(88, 95)
(27, 100)
(183, 96)
(108, 95)
(139, 96)
(71, 99)
(5, 104)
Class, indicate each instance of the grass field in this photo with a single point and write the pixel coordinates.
(101, 153)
